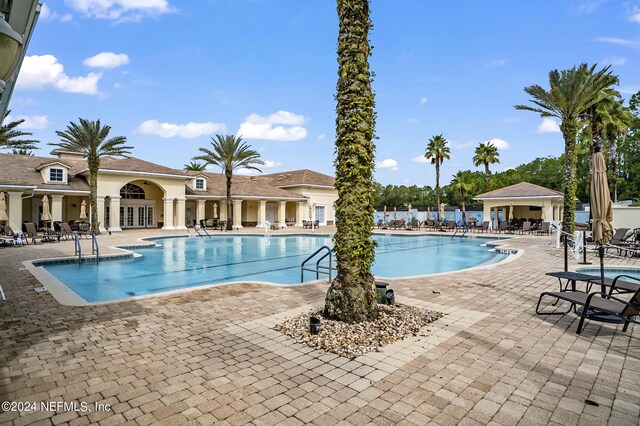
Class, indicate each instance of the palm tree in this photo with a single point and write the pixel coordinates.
(22, 151)
(194, 166)
(462, 184)
(9, 134)
(486, 153)
(572, 92)
(351, 296)
(437, 151)
(92, 140)
(230, 153)
(616, 121)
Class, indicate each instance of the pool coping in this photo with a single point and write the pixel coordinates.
(68, 297)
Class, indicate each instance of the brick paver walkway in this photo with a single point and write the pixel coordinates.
(211, 357)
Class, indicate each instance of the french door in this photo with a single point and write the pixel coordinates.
(136, 216)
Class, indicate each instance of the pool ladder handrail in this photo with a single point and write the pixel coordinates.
(95, 248)
(203, 230)
(320, 269)
(78, 247)
(464, 231)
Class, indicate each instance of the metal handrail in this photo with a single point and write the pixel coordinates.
(203, 230)
(95, 248)
(464, 231)
(319, 269)
(78, 247)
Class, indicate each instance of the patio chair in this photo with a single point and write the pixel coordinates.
(596, 303)
(484, 227)
(545, 228)
(620, 240)
(30, 231)
(66, 231)
(526, 227)
(503, 227)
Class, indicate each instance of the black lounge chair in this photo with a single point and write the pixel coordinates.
(597, 303)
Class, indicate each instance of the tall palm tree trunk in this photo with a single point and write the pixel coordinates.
(229, 176)
(487, 173)
(569, 129)
(614, 166)
(93, 182)
(438, 189)
(351, 296)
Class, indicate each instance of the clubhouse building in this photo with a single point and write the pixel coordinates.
(134, 193)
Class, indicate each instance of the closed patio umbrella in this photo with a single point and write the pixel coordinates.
(441, 211)
(410, 214)
(600, 208)
(384, 214)
(83, 210)
(543, 215)
(46, 214)
(3, 208)
(395, 213)
(510, 212)
(215, 210)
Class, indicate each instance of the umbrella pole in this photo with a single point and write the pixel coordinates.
(566, 253)
(601, 256)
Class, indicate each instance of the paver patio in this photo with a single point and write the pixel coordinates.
(211, 356)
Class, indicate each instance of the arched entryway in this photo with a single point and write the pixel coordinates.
(140, 203)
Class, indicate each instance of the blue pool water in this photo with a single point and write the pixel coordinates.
(611, 272)
(178, 263)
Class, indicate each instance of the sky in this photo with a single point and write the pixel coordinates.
(170, 74)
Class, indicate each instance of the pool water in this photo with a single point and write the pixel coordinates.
(611, 272)
(179, 263)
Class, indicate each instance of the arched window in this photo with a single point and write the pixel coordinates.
(132, 192)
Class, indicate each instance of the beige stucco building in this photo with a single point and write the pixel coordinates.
(134, 193)
(527, 200)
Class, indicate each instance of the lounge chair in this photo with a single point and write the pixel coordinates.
(503, 227)
(545, 228)
(619, 240)
(526, 227)
(597, 303)
(484, 227)
(30, 231)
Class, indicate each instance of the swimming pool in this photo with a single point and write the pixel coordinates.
(180, 263)
(611, 272)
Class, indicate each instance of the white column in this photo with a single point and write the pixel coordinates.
(237, 214)
(262, 214)
(15, 211)
(102, 226)
(114, 214)
(56, 208)
(180, 213)
(222, 210)
(200, 213)
(168, 214)
(300, 213)
(282, 214)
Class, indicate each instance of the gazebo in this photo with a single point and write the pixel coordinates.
(526, 200)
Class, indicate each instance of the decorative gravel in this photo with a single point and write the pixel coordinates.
(394, 322)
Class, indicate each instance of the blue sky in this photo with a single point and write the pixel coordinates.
(168, 75)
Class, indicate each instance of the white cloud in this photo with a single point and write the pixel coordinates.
(269, 164)
(617, 41)
(389, 163)
(500, 143)
(107, 60)
(321, 137)
(121, 10)
(289, 129)
(45, 72)
(420, 159)
(495, 63)
(549, 125)
(172, 130)
(614, 60)
(634, 14)
(30, 121)
(247, 172)
(47, 14)
(423, 100)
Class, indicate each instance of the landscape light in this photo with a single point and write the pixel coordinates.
(10, 42)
